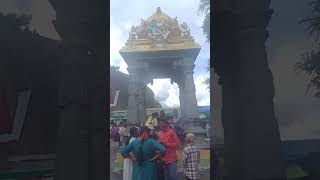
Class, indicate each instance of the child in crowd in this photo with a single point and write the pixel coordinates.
(191, 158)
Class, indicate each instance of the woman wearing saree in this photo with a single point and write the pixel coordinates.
(127, 162)
(145, 151)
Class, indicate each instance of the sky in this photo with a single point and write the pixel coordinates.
(41, 11)
(123, 17)
(298, 114)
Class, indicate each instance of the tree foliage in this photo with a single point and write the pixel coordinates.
(204, 7)
(310, 65)
(313, 22)
(310, 61)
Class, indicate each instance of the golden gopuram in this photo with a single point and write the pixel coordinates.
(160, 47)
(159, 32)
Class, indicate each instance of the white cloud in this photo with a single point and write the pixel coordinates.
(123, 67)
(168, 94)
(202, 93)
(123, 17)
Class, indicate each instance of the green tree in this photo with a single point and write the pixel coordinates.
(204, 7)
(310, 61)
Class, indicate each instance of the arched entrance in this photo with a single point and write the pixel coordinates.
(160, 48)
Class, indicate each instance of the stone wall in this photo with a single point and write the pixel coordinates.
(30, 61)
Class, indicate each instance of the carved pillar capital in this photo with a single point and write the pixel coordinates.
(188, 69)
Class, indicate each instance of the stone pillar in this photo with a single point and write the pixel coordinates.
(260, 135)
(132, 93)
(137, 95)
(252, 141)
(189, 94)
(98, 148)
(72, 142)
(216, 123)
(189, 100)
(181, 97)
(141, 101)
(81, 150)
(4, 80)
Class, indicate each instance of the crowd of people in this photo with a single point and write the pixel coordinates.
(150, 152)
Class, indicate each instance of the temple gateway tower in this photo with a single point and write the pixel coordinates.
(160, 48)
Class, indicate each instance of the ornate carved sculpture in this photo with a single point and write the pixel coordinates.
(185, 30)
(142, 29)
(160, 31)
(132, 36)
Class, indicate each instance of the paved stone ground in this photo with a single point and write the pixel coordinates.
(113, 152)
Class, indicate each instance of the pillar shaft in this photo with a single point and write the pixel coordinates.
(82, 146)
(132, 104)
(137, 93)
(189, 94)
(141, 103)
(251, 135)
(181, 99)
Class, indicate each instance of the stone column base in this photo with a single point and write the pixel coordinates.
(194, 126)
(4, 163)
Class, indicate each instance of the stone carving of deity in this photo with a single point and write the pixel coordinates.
(133, 34)
(176, 21)
(185, 30)
(141, 30)
(158, 33)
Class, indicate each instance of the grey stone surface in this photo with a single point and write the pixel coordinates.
(251, 135)
(81, 26)
(143, 67)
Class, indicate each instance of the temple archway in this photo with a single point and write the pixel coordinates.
(160, 48)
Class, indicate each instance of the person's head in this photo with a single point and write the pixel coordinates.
(144, 129)
(163, 123)
(144, 134)
(154, 115)
(134, 132)
(162, 114)
(190, 138)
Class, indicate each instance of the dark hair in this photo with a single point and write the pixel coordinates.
(144, 128)
(140, 152)
(155, 114)
(162, 113)
(133, 133)
(163, 119)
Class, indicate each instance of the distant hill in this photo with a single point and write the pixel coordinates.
(120, 81)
